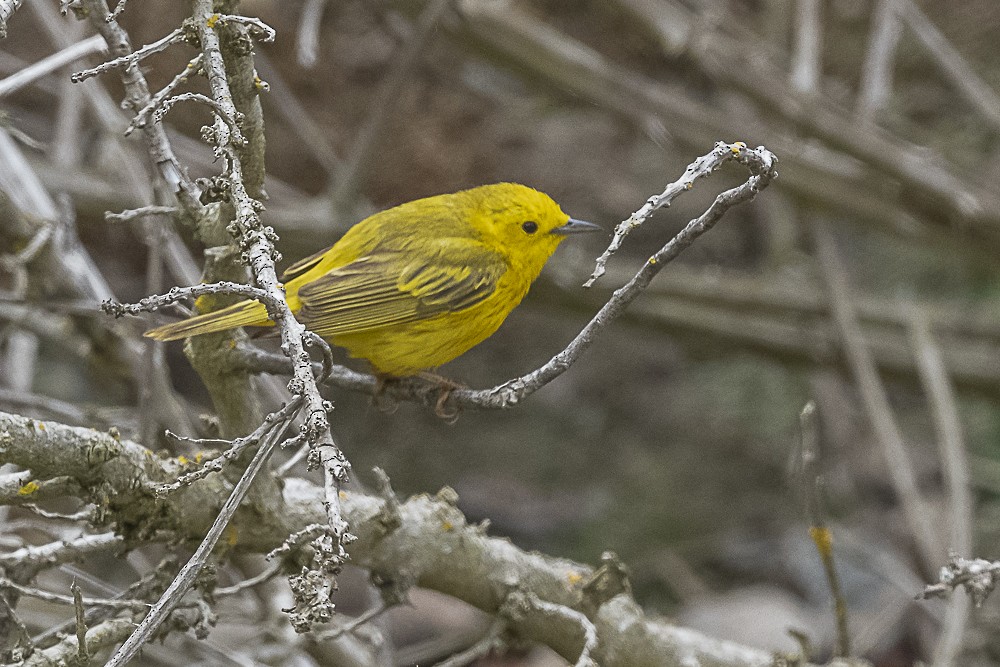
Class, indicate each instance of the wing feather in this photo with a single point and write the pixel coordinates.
(394, 288)
(303, 265)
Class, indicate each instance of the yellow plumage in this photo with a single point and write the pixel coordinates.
(417, 285)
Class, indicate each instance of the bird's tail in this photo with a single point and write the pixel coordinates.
(244, 313)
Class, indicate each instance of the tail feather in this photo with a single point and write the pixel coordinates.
(244, 313)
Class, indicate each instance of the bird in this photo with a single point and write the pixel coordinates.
(415, 286)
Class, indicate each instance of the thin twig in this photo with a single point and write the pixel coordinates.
(141, 212)
(355, 623)
(808, 46)
(81, 624)
(700, 168)
(71, 600)
(128, 60)
(258, 28)
(763, 167)
(246, 584)
(977, 575)
(954, 461)
(116, 12)
(307, 50)
(158, 146)
(142, 115)
(186, 577)
(233, 122)
(492, 641)
(810, 484)
(155, 302)
(876, 73)
(366, 143)
(874, 401)
(278, 419)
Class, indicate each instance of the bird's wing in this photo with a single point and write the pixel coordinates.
(392, 288)
(303, 265)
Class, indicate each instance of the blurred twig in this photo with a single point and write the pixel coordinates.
(876, 72)
(810, 484)
(52, 63)
(951, 63)
(310, 19)
(366, 143)
(808, 42)
(746, 66)
(875, 401)
(954, 461)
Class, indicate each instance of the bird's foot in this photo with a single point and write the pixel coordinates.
(449, 413)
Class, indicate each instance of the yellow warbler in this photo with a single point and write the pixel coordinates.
(417, 285)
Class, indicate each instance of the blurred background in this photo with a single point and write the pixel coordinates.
(864, 280)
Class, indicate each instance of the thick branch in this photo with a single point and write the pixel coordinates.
(432, 544)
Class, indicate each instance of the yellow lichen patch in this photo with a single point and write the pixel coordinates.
(342, 494)
(198, 457)
(212, 20)
(448, 526)
(574, 578)
(28, 488)
(823, 538)
(183, 460)
(41, 426)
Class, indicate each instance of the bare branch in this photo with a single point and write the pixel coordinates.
(142, 115)
(71, 600)
(951, 63)
(129, 60)
(137, 93)
(700, 168)
(431, 540)
(806, 67)
(155, 302)
(186, 577)
(366, 143)
(954, 461)
(876, 74)
(307, 48)
(875, 401)
(978, 576)
(101, 636)
(7, 9)
(51, 63)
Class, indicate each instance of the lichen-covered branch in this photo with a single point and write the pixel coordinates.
(425, 539)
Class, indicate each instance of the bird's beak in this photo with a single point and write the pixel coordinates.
(577, 227)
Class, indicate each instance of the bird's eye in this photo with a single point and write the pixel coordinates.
(530, 227)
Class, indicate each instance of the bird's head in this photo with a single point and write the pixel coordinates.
(522, 223)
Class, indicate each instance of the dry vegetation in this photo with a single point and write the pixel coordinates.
(864, 280)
